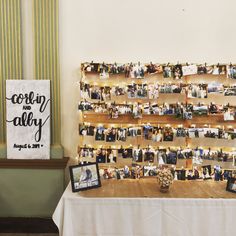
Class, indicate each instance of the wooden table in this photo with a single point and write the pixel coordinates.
(148, 187)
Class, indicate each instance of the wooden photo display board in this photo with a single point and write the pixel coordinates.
(187, 106)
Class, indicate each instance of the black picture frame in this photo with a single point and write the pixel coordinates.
(231, 185)
(91, 178)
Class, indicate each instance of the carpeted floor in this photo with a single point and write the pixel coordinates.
(25, 234)
(27, 227)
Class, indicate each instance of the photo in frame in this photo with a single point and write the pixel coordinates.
(84, 176)
(231, 185)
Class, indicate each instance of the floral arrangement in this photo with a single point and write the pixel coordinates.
(164, 177)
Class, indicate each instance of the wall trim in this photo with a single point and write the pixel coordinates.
(34, 164)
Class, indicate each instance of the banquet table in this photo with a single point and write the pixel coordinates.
(129, 209)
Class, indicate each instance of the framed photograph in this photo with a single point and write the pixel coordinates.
(231, 185)
(85, 176)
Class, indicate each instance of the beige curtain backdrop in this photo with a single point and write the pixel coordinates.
(46, 62)
(10, 56)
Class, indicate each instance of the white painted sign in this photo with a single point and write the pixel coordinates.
(28, 119)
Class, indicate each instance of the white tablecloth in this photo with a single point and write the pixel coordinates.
(79, 216)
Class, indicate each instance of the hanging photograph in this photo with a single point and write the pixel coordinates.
(85, 90)
(137, 154)
(161, 156)
(206, 172)
(207, 69)
(189, 70)
(200, 109)
(171, 157)
(117, 68)
(229, 114)
(177, 72)
(149, 171)
(134, 131)
(149, 155)
(231, 91)
(121, 134)
(110, 135)
(95, 93)
(89, 67)
(197, 91)
(86, 153)
(86, 130)
(215, 88)
(202, 69)
(101, 155)
(125, 152)
(103, 71)
(137, 70)
(211, 132)
(111, 155)
(196, 132)
(231, 71)
(137, 111)
(154, 68)
(105, 93)
(100, 133)
(167, 71)
(118, 91)
(153, 91)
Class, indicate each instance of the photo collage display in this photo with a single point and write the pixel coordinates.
(143, 92)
